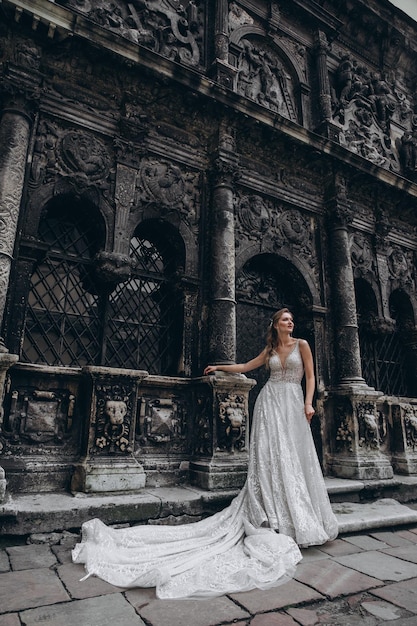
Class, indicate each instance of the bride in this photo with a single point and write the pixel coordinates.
(254, 542)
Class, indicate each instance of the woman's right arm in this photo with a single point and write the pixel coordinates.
(238, 368)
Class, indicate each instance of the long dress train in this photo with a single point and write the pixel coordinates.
(250, 544)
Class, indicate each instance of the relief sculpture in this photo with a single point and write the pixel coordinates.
(232, 422)
(171, 28)
(364, 103)
(263, 78)
(113, 420)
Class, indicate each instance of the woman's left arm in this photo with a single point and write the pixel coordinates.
(307, 357)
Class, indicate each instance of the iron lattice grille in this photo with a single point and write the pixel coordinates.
(62, 318)
(144, 321)
(266, 284)
(384, 364)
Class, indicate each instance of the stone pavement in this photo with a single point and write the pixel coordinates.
(365, 578)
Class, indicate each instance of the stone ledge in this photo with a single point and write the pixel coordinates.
(351, 500)
(384, 513)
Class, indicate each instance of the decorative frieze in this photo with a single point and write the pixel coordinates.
(169, 28)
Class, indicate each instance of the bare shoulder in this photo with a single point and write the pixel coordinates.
(304, 345)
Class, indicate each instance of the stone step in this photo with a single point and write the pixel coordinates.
(359, 505)
(401, 488)
(384, 513)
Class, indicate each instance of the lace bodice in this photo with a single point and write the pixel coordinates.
(289, 371)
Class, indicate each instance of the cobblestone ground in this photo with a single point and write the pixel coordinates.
(363, 579)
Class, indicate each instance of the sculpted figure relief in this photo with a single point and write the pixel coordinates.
(364, 104)
(263, 78)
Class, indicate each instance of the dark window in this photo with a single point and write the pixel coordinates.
(265, 284)
(384, 359)
(73, 320)
(145, 326)
(62, 319)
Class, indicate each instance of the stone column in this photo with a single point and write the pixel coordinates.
(349, 368)
(352, 405)
(326, 127)
(14, 143)
(222, 71)
(220, 447)
(113, 266)
(222, 334)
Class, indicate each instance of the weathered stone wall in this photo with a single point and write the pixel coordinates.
(277, 143)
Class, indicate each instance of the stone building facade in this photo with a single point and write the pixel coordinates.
(171, 174)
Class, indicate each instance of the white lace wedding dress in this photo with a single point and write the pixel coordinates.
(253, 542)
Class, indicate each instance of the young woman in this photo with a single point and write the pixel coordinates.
(253, 542)
(285, 486)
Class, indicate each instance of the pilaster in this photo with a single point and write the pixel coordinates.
(222, 71)
(326, 127)
(110, 414)
(403, 417)
(6, 362)
(221, 463)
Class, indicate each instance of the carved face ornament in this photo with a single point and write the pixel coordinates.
(115, 411)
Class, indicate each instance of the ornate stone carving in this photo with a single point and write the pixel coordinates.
(238, 17)
(39, 416)
(262, 77)
(163, 182)
(254, 215)
(113, 419)
(112, 267)
(400, 264)
(232, 422)
(224, 171)
(363, 262)
(363, 105)
(44, 159)
(410, 422)
(161, 422)
(73, 152)
(345, 435)
(368, 426)
(84, 154)
(203, 442)
(404, 421)
(166, 26)
(27, 55)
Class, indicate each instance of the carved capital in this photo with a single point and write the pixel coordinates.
(112, 267)
(224, 172)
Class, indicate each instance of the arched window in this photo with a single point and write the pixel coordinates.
(145, 318)
(385, 363)
(265, 284)
(62, 318)
(72, 318)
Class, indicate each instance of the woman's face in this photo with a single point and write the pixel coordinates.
(285, 323)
